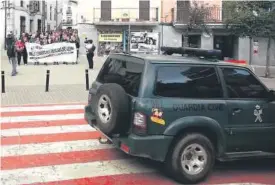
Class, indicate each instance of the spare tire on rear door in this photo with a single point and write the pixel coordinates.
(112, 109)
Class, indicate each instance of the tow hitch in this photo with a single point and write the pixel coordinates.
(103, 140)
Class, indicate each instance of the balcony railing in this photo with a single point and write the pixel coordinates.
(126, 15)
(73, 1)
(68, 22)
(213, 15)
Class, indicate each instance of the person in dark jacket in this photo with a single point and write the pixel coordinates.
(90, 48)
(77, 45)
(11, 52)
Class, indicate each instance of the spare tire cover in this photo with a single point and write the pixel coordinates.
(112, 109)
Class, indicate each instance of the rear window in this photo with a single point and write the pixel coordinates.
(126, 74)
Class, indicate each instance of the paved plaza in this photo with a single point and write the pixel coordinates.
(67, 82)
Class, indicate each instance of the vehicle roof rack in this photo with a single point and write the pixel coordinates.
(126, 52)
(204, 53)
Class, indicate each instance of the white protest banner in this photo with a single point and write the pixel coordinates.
(50, 53)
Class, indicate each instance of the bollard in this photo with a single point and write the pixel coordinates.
(3, 81)
(47, 80)
(87, 79)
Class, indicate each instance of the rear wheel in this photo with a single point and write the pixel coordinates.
(192, 159)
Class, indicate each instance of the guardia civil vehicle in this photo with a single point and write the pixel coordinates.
(185, 111)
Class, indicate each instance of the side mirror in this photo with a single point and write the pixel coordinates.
(271, 95)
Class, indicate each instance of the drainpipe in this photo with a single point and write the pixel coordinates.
(129, 37)
(56, 14)
(124, 40)
(5, 6)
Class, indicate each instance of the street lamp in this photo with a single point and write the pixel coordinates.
(5, 32)
(6, 6)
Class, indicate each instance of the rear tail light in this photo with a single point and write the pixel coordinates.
(140, 122)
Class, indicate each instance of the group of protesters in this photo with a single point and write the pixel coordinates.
(16, 48)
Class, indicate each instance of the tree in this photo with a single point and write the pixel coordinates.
(198, 14)
(252, 19)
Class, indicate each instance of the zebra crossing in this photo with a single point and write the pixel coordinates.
(52, 144)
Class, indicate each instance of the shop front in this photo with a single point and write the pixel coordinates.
(110, 43)
(116, 39)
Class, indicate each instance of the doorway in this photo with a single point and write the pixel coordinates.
(31, 26)
(193, 41)
(22, 24)
(225, 44)
(39, 25)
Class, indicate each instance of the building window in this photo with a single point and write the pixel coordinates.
(45, 11)
(22, 3)
(201, 82)
(51, 13)
(144, 10)
(55, 14)
(194, 41)
(38, 6)
(106, 12)
(35, 6)
(183, 11)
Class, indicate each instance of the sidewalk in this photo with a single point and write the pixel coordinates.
(260, 70)
(59, 74)
(67, 82)
(21, 95)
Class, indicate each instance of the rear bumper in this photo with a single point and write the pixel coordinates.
(153, 147)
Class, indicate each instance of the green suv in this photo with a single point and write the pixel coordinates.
(184, 111)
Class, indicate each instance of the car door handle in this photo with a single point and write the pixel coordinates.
(236, 111)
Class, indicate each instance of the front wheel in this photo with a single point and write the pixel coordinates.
(192, 159)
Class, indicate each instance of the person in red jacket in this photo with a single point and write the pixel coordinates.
(21, 51)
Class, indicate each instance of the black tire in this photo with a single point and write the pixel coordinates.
(119, 120)
(173, 160)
